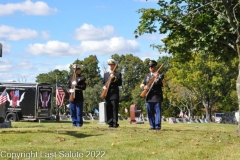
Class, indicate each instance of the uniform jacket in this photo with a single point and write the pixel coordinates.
(81, 85)
(155, 94)
(113, 90)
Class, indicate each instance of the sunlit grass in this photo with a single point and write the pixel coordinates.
(180, 141)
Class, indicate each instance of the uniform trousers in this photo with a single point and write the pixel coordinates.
(154, 114)
(76, 111)
(112, 112)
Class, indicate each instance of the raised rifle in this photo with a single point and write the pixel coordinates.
(104, 93)
(150, 84)
(72, 95)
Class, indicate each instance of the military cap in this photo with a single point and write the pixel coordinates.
(152, 63)
(111, 61)
(77, 65)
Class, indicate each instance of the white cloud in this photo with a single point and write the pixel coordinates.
(11, 33)
(25, 65)
(43, 70)
(111, 46)
(6, 77)
(25, 77)
(6, 48)
(53, 48)
(27, 7)
(152, 55)
(88, 32)
(45, 34)
(63, 67)
(114, 45)
(5, 66)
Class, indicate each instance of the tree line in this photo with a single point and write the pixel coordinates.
(197, 87)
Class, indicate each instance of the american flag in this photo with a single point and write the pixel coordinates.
(3, 97)
(60, 94)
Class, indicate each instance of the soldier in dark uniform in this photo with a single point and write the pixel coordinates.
(112, 97)
(76, 107)
(154, 96)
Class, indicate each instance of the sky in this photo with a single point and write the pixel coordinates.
(39, 36)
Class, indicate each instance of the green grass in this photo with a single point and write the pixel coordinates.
(182, 141)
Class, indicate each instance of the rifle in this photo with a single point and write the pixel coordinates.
(72, 95)
(150, 84)
(104, 93)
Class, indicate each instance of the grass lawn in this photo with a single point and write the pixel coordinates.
(59, 140)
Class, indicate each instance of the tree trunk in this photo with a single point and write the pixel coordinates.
(208, 111)
(238, 85)
(238, 93)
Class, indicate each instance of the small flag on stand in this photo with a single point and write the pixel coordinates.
(60, 95)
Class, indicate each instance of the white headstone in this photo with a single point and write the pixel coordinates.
(102, 113)
(63, 118)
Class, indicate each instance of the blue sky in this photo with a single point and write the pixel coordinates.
(40, 36)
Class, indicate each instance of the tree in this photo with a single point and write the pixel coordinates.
(90, 70)
(92, 97)
(193, 25)
(182, 98)
(208, 81)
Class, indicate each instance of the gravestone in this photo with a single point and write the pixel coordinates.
(63, 118)
(177, 120)
(135, 113)
(102, 113)
(86, 118)
(172, 120)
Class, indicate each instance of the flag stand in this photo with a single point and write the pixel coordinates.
(57, 114)
(60, 94)
(57, 107)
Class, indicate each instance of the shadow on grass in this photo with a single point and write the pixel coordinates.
(50, 121)
(76, 134)
(79, 135)
(68, 121)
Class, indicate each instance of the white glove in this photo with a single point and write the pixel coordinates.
(71, 90)
(74, 83)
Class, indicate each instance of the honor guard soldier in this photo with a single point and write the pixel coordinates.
(154, 96)
(112, 95)
(76, 85)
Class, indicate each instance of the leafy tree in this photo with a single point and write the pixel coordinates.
(90, 70)
(202, 26)
(132, 68)
(208, 82)
(92, 97)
